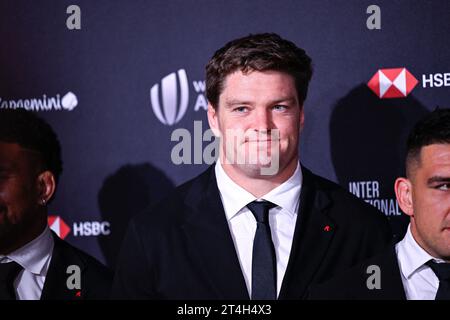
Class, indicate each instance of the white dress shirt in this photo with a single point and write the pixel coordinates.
(242, 223)
(35, 258)
(419, 281)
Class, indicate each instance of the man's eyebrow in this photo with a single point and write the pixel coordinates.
(287, 99)
(234, 102)
(435, 179)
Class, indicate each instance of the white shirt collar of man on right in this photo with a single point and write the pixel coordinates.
(419, 281)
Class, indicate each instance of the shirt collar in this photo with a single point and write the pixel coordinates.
(234, 197)
(287, 194)
(34, 255)
(412, 257)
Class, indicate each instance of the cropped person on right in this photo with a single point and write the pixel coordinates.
(417, 267)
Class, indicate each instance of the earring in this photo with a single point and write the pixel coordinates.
(43, 202)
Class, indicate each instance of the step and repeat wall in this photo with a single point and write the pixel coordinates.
(123, 85)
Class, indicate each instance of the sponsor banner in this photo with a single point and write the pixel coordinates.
(46, 103)
(170, 99)
(399, 82)
(369, 191)
(79, 229)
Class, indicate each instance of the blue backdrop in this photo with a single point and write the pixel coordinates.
(116, 89)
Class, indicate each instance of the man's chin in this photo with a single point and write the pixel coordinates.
(8, 237)
(259, 170)
(6, 231)
(9, 230)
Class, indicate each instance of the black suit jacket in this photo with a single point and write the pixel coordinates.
(183, 249)
(352, 284)
(96, 279)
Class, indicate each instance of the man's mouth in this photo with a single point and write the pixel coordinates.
(261, 140)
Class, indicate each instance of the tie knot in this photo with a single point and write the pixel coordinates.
(9, 271)
(260, 210)
(441, 270)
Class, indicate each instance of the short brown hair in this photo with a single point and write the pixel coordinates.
(434, 128)
(258, 52)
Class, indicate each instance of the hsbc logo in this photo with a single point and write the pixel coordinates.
(392, 83)
(80, 229)
(399, 82)
(91, 228)
(58, 226)
(170, 98)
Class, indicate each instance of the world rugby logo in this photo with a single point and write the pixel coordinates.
(173, 104)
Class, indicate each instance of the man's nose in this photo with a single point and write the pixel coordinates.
(263, 121)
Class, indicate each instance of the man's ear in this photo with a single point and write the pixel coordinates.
(213, 120)
(46, 187)
(403, 192)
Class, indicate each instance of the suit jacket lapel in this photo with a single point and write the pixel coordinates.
(391, 281)
(209, 239)
(55, 287)
(314, 231)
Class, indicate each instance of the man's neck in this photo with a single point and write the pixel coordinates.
(259, 185)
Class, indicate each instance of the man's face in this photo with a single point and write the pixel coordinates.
(19, 198)
(259, 118)
(430, 198)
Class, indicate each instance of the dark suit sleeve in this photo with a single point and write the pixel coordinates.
(99, 280)
(96, 279)
(361, 232)
(353, 283)
(378, 234)
(133, 277)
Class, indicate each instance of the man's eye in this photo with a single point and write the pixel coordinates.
(240, 109)
(445, 186)
(279, 107)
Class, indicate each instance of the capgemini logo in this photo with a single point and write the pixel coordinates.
(47, 103)
(173, 109)
(69, 101)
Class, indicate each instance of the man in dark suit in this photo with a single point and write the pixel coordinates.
(417, 267)
(257, 224)
(34, 263)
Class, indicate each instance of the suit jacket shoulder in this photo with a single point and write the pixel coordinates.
(377, 278)
(335, 231)
(187, 197)
(168, 214)
(96, 279)
(346, 206)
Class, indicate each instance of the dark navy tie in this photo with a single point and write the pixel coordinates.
(264, 279)
(8, 273)
(442, 271)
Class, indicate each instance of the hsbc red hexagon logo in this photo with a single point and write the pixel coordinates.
(392, 83)
(58, 226)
